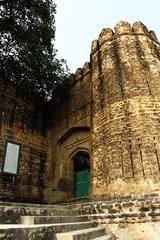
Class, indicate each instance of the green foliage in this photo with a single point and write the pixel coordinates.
(27, 54)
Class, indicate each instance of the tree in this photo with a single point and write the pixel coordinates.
(27, 54)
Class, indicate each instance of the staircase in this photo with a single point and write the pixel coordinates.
(47, 222)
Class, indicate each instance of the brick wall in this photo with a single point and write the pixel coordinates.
(22, 121)
(116, 95)
(125, 111)
(69, 132)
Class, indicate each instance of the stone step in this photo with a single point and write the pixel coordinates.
(84, 234)
(31, 205)
(12, 215)
(40, 231)
(39, 211)
(51, 219)
(104, 237)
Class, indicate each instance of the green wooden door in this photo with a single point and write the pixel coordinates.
(82, 183)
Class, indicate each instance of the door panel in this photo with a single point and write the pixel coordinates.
(82, 183)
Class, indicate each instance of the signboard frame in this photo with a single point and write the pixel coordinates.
(7, 160)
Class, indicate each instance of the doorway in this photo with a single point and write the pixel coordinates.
(81, 174)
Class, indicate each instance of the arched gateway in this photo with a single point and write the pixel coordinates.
(81, 161)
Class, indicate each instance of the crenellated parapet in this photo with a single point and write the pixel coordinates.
(82, 72)
(123, 28)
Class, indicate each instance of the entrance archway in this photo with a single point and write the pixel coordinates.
(81, 174)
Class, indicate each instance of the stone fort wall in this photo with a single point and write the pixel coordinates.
(69, 133)
(125, 111)
(49, 134)
(22, 121)
(112, 112)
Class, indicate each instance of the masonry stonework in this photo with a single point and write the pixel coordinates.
(69, 133)
(126, 111)
(22, 122)
(112, 114)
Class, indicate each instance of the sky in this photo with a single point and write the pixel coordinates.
(78, 22)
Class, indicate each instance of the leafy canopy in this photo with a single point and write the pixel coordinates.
(27, 54)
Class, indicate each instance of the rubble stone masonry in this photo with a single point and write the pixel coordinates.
(112, 113)
(125, 111)
(69, 133)
(22, 121)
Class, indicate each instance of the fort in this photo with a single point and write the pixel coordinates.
(98, 147)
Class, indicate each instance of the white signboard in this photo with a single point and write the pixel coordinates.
(11, 158)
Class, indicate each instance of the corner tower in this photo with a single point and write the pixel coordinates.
(125, 111)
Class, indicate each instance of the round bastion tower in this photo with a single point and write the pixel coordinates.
(125, 111)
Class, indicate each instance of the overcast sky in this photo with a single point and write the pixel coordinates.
(78, 22)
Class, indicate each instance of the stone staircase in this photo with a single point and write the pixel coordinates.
(47, 222)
